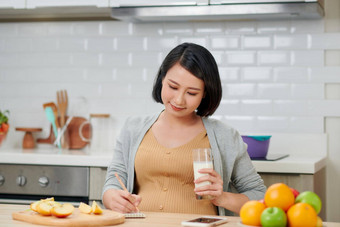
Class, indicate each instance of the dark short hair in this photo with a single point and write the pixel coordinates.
(200, 62)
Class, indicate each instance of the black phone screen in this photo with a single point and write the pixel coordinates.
(205, 220)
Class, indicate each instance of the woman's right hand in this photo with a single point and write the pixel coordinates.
(121, 201)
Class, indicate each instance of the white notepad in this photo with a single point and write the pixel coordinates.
(135, 215)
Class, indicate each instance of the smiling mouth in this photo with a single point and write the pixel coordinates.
(176, 108)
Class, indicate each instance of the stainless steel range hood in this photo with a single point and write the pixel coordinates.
(222, 10)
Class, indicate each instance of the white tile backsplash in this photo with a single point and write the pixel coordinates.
(256, 107)
(177, 28)
(240, 58)
(100, 44)
(275, 26)
(291, 74)
(273, 91)
(225, 42)
(256, 74)
(308, 91)
(241, 27)
(295, 41)
(276, 58)
(257, 42)
(272, 72)
(209, 28)
(325, 41)
(307, 58)
(306, 26)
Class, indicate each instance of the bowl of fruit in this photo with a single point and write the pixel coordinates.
(4, 126)
(283, 206)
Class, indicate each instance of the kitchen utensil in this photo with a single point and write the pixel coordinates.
(77, 218)
(257, 145)
(75, 142)
(100, 136)
(55, 112)
(62, 101)
(28, 141)
(62, 131)
(50, 118)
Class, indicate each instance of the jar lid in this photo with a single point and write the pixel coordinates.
(100, 115)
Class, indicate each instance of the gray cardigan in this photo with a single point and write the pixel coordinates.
(231, 159)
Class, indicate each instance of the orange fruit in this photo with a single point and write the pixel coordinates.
(302, 214)
(251, 211)
(279, 195)
(319, 222)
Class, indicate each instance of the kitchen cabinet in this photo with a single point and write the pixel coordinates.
(302, 182)
(255, 1)
(97, 180)
(32, 10)
(12, 4)
(66, 3)
(130, 3)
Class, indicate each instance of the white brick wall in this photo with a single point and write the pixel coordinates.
(273, 72)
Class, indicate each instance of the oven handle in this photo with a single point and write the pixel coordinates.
(28, 202)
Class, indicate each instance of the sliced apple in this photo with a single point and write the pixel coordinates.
(45, 207)
(33, 205)
(84, 208)
(62, 211)
(96, 209)
(48, 199)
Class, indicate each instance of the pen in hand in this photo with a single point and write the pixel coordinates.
(132, 199)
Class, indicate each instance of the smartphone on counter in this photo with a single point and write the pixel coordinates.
(205, 221)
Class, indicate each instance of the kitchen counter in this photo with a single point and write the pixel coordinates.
(53, 156)
(307, 164)
(152, 218)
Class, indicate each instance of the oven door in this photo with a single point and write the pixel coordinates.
(23, 184)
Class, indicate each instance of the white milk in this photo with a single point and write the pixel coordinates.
(201, 165)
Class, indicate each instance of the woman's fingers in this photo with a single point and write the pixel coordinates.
(214, 189)
(120, 202)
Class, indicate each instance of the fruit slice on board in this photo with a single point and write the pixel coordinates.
(84, 208)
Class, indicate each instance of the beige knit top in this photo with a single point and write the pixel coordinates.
(165, 177)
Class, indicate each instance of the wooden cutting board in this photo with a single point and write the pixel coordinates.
(73, 131)
(76, 219)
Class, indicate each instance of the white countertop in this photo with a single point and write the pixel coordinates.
(55, 157)
(306, 164)
(292, 164)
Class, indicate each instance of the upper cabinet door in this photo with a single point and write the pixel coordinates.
(255, 1)
(61, 3)
(136, 3)
(15, 4)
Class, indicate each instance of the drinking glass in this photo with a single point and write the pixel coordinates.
(202, 158)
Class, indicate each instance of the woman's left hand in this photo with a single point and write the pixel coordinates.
(215, 189)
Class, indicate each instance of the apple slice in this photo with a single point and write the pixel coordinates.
(62, 211)
(33, 205)
(84, 208)
(45, 207)
(96, 209)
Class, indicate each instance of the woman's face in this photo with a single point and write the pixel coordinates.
(182, 92)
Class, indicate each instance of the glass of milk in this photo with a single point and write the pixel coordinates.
(202, 158)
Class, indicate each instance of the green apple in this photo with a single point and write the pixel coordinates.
(311, 198)
(273, 217)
